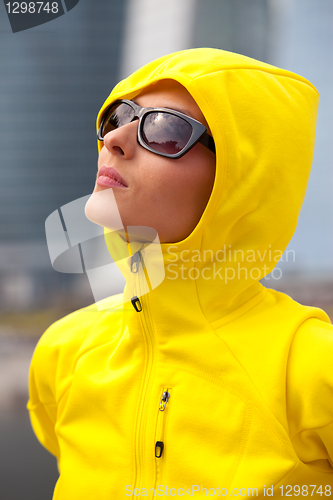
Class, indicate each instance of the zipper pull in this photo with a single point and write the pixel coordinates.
(159, 449)
(135, 261)
(136, 303)
(164, 400)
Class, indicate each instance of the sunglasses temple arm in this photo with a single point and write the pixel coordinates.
(208, 141)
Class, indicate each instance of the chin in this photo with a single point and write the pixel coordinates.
(102, 209)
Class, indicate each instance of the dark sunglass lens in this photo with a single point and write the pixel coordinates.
(117, 116)
(166, 133)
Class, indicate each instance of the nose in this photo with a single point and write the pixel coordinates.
(123, 140)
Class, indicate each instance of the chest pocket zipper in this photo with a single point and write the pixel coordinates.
(163, 410)
(160, 445)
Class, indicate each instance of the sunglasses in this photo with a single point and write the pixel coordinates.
(162, 131)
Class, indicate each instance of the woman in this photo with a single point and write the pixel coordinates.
(206, 383)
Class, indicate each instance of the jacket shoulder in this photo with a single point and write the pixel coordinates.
(74, 327)
(59, 348)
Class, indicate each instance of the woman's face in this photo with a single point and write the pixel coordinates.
(165, 194)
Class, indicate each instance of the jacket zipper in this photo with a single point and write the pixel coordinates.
(149, 350)
(163, 409)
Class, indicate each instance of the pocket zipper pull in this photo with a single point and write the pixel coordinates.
(164, 400)
(159, 449)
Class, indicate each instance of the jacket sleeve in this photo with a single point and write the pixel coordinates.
(310, 394)
(42, 398)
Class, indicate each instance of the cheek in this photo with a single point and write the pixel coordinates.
(154, 175)
(195, 177)
(204, 167)
(102, 156)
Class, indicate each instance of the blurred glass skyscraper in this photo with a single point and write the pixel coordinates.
(53, 81)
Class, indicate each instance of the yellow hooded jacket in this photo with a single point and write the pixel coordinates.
(217, 382)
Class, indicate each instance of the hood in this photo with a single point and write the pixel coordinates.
(262, 119)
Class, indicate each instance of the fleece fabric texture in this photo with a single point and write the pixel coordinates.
(247, 369)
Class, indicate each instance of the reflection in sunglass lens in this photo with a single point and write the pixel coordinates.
(166, 133)
(117, 116)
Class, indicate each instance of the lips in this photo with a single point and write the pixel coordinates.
(111, 173)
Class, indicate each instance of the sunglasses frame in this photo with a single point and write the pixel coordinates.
(199, 131)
